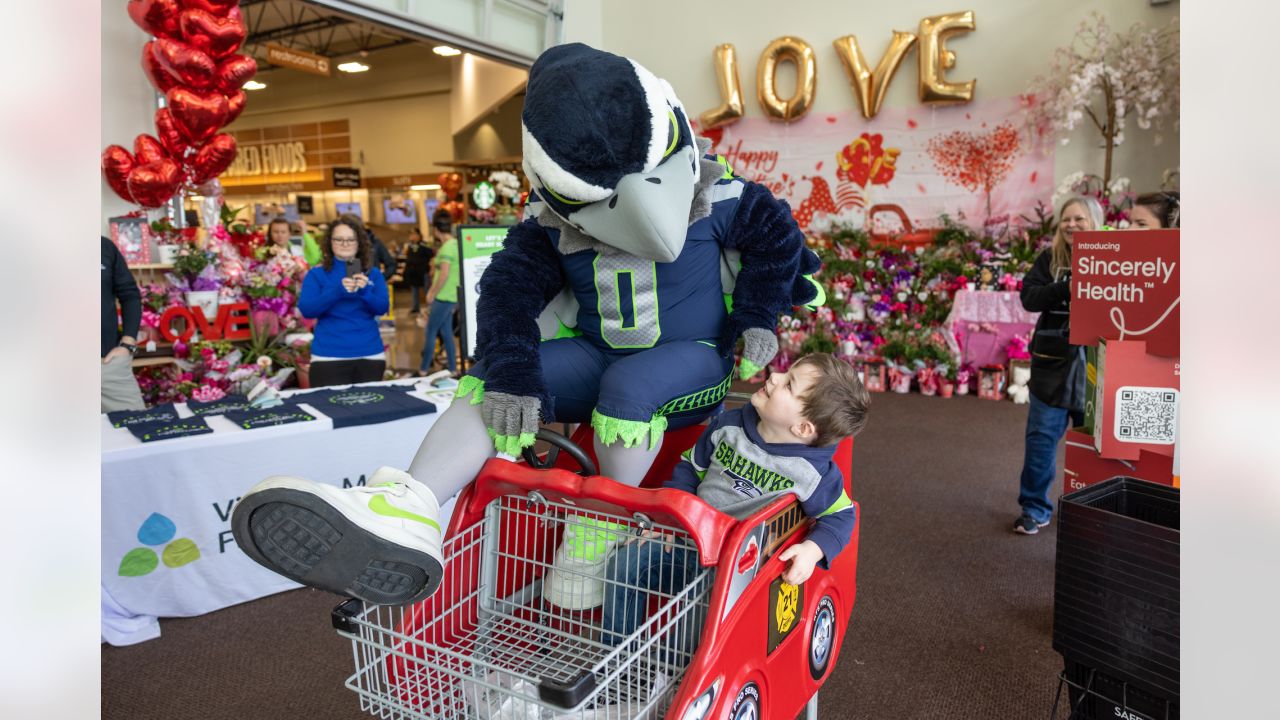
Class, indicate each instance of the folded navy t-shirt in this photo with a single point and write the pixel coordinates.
(365, 405)
(218, 407)
(150, 432)
(279, 415)
(128, 418)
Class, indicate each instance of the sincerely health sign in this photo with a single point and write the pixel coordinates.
(1126, 286)
(476, 246)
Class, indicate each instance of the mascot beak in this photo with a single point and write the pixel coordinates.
(648, 214)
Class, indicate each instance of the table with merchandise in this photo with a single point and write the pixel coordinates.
(172, 474)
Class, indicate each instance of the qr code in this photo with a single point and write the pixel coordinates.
(1146, 415)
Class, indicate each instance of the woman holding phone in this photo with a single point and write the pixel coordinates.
(345, 294)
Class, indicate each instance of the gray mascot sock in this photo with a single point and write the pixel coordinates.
(624, 464)
(452, 453)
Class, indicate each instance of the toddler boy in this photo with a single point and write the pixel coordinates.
(783, 441)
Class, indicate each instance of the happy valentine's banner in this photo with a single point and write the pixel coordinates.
(1126, 286)
(974, 162)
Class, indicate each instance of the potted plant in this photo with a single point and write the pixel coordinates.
(196, 271)
(947, 384)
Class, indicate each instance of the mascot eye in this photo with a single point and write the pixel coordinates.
(675, 135)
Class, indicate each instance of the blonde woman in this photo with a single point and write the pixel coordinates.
(1057, 367)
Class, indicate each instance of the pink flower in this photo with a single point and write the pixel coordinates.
(206, 393)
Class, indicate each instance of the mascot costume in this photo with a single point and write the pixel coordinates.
(619, 301)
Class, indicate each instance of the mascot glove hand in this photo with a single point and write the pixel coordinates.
(512, 420)
(758, 348)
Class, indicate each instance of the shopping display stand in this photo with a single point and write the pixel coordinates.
(1116, 596)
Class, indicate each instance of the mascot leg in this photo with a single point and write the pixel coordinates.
(380, 542)
(626, 464)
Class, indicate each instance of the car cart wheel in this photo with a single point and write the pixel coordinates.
(559, 442)
(822, 638)
(747, 705)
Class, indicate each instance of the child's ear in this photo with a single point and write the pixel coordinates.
(805, 430)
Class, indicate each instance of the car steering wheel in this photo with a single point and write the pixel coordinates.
(559, 442)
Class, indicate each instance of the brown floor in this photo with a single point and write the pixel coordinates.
(953, 616)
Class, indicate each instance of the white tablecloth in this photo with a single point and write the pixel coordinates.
(156, 495)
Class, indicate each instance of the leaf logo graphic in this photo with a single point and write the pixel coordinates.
(158, 530)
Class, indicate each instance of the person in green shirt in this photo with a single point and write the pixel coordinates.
(442, 297)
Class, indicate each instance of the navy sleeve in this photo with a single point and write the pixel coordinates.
(773, 258)
(1039, 291)
(374, 294)
(835, 514)
(317, 294)
(694, 461)
(126, 291)
(522, 278)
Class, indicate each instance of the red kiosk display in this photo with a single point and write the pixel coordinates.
(1125, 294)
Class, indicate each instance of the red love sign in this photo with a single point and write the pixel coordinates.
(156, 17)
(216, 36)
(232, 323)
(212, 159)
(197, 115)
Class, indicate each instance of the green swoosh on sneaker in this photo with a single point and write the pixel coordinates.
(380, 505)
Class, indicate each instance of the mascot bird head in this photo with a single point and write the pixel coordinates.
(609, 149)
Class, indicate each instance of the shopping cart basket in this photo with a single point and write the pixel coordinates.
(734, 641)
(488, 645)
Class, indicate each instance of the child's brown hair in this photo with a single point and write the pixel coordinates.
(837, 404)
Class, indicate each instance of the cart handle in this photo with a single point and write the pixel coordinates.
(497, 478)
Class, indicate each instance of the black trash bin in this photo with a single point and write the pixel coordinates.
(1116, 600)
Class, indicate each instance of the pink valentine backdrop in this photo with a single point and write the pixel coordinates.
(927, 159)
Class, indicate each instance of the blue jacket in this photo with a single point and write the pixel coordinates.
(346, 323)
(735, 471)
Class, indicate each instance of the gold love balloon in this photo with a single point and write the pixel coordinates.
(936, 59)
(725, 59)
(781, 50)
(870, 85)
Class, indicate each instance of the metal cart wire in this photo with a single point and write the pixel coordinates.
(489, 645)
(501, 638)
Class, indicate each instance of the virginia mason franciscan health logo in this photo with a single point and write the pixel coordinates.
(156, 531)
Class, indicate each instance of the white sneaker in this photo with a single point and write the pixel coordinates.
(576, 578)
(380, 543)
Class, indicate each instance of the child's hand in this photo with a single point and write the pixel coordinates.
(652, 534)
(803, 556)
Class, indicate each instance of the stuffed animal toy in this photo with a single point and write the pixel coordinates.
(618, 301)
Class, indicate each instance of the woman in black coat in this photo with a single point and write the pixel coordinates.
(417, 263)
(1057, 366)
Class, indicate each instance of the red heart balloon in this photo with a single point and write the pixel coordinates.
(234, 72)
(217, 36)
(197, 114)
(221, 8)
(147, 149)
(160, 78)
(235, 105)
(189, 65)
(117, 163)
(152, 184)
(169, 136)
(215, 157)
(156, 17)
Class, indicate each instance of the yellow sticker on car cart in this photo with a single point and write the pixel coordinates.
(785, 604)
